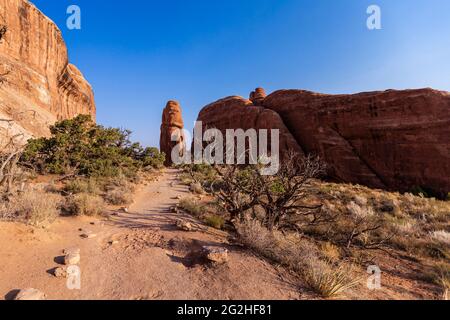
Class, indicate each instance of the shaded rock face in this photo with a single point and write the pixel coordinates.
(395, 140)
(41, 86)
(172, 124)
(239, 113)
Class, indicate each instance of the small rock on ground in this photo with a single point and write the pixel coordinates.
(60, 273)
(73, 250)
(185, 226)
(30, 294)
(72, 259)
(216, 254)
(88, 235)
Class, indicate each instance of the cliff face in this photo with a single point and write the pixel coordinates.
(396, 140)
(41, 86)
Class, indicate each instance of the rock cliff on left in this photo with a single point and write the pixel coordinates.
(40, 86)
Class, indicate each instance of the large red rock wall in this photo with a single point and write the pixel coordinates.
(41, 86)
(396, 140)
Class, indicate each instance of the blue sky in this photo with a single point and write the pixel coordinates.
(137, 54)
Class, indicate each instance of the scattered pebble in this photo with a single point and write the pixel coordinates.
(88, 235)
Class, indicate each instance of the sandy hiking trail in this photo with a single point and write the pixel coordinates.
(140, 254)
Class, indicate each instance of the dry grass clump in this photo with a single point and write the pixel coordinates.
(361, 211)
(77, 186)
(119, 197)
(215, 221)
(196, 188)
(407, 222)
(207, 212)
(33, 206)
(84, 204)
(440, 275)
(192, 207)
(441, 236)
(115, 191)
(320, 274)
(329, 281)
(330, 251)
(119, 191)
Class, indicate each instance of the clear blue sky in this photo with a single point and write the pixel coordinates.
(137, 54)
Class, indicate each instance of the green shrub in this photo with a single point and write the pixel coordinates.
(215, 221)
(79, 146)
(192, 207)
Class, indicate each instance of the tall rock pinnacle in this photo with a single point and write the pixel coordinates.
(172, 125)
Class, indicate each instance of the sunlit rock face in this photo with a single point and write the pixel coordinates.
(172, 126)
(41, 86)
(394, 140)
(257, 97)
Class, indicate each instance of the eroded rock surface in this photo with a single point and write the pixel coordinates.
(239, 113)
(40, 86)
(395, 140)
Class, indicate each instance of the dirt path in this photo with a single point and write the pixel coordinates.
(151, 260)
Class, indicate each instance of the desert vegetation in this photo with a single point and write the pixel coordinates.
(325, 232)
(91, 167)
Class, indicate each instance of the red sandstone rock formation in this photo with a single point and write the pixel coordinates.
(257, 97)
(41, 87)
(239, 113)
(172, 124)
(394, 140)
